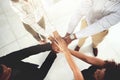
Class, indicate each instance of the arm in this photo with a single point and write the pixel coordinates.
(31, 21)
(27, 18)
(26, 52)
(82, 11)
(63, 47)
(101, 25)
(73, 66)
(72, 25)
(75, 19)
(89, 59)
(47, 64)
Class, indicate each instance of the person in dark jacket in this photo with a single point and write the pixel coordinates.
(13, 68)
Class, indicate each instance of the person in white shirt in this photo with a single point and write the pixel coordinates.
(31, 15)
(100, 15)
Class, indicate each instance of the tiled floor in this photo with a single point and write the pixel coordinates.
(14, 37)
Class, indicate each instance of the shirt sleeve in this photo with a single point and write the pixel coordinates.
(82, 10)
(28, 18)
(101, 25)
(74, 22)
(17, 9)
(24, 53)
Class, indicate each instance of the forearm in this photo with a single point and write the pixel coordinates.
(26, 52)
(73, 66)
(39, 29)
(82, 10)
(63, 47)
(47, 64)
(75, 19)
(88, 59)
(34, 25)
(101, 25)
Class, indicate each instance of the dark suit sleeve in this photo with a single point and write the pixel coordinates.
(47, 65)
(26, 52)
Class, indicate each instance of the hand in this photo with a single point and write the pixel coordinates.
(6, 73)
(55, 47)
(60, 42)
(70, 38)
(67, 34)
(42, 42)
(67, 39)
(53, 44)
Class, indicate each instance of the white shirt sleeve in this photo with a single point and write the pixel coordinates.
(83, 9)
(103, 24)
(18, 10)
(75, 19)
(28, 18)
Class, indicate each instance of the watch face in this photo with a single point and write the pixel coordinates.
(72, 37)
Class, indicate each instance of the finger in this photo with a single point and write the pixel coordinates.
(51, 38)
(58, 39)
(57, 36)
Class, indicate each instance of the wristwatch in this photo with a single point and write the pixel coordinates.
(72, 36)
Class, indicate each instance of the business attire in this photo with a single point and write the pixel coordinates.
(28, 71)
(31, 15)
(100, 16)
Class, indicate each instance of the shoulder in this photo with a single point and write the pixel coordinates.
(88, 73)
(90, 70)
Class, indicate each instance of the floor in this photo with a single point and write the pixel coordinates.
(14, 37)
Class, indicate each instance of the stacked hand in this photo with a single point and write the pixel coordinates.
(62, 45)
(58, 44)
(54, 46)
(67, 39)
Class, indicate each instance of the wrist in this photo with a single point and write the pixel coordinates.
(67, 34)
(72, 36)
